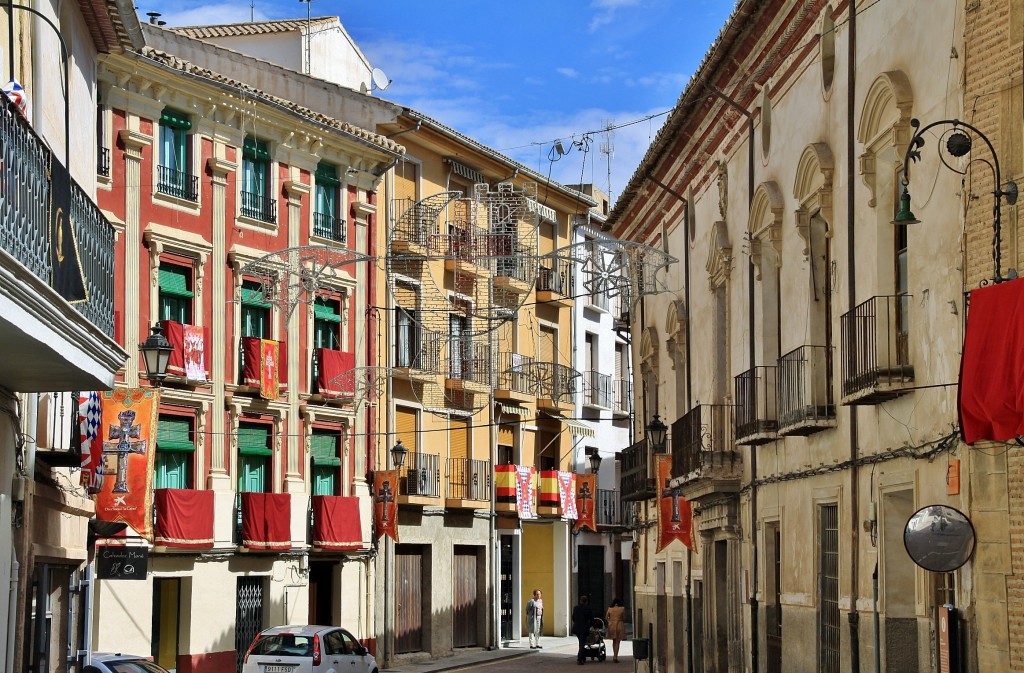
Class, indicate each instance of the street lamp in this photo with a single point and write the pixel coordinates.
(595, 461)
(656, 434)
(958, 144)
(156, 353)
(398, 454)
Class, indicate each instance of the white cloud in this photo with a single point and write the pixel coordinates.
(568, 72)
(606, 9)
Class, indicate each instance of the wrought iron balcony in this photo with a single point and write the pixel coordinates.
(24, 200)
(557, 279)
(623, 391)
(416, 348)
(609, 509)
(469, 479)
(103, 162)
(330, 227)
(516, 266)
(757, 412)
(513, 374)
(417, 225)
(637, 480)
(421, 475)
(597, 389)
(702, 441)
(876, 352)
(806, 403)
(259, 207)
(469, 361)
(598, 298)
(178, 184)
(555, 381)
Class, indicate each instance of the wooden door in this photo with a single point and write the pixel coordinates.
(590, 577)
(465, 606)
(408, 599)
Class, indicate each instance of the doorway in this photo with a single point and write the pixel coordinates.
(321, 592)
(166, 626)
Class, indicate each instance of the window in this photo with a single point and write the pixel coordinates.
(255, 311)
(901, 287)
(256, 201)
(460, 348)
(326, 468)
(407, 337)
(327, 324)
(254, 454)
(175, 294)
(326, 221)
(174, 449)
(173, 176)
(828, 589)
(102, 150)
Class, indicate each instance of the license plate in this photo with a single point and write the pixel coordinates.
(274, 668)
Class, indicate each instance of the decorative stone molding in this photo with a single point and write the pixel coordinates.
(719, 264)
(649, 350)
(765, 222)
(884, 122)
(675, 325)
(812, 189)
(133, 142)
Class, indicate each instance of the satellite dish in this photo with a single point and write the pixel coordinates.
(939, 538)
(380, 80)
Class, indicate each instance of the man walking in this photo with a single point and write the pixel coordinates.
(535, 619)
(582, 616)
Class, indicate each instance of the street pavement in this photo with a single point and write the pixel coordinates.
(557, 653)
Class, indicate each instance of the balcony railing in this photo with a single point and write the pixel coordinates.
(557, 278)
(469, 479)
(465, 243)
(806, 404)
(422, 475)
(597, 389)
(702, 440)
(103, 162)
(515, 266)
(330, 227)
(259, 207)
(178, 184)
(418, 222)
(757, 412)
(469, 361)
(876, 353)
(637, 480)
(609, 510)
(416, 348)
(623, 390)
(24, 201)
(513, 373)
(556, 381)
(598, 296)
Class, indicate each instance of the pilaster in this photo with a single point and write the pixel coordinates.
(134, 142)
(294, 482)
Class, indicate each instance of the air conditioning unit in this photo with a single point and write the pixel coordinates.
(418, 481)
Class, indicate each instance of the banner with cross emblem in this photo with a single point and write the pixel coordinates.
(128, 436)
(586, 491)
(385, 504)
(675, 517)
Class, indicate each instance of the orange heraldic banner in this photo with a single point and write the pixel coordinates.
(586, 491)
(269, 355)
(675, 517)
(385, 506)
(128, 435)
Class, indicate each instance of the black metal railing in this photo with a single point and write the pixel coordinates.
(757, 412)
(469, 360)
(805, 390)
(609, 510)
(178, 184)
(703, 439)
(513, 373)
(416, 348)
(259, 207)
(623, 390)
(418, 222)
(421, 475)
(876, 351)
(557, 278)
(103, 162)
(330, 227)
(637, 480)
(95, 238)
(469, 479)
(555, 381)
(597, 389)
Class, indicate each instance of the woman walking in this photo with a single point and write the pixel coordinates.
(615, 621)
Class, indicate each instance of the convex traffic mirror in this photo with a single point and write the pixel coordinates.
(939, 538)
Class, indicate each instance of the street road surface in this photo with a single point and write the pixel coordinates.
(562, 659)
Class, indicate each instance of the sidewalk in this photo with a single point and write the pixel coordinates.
(473, 656)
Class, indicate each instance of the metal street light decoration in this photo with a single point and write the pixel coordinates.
(656, 434)
(156, 354)
(595, 461)
(398, 453)
(959, 143)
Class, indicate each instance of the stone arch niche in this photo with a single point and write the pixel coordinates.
(812, 189)
(764, 227)
(649, 369)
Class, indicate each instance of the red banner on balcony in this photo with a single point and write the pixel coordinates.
(336, 523)
(189, 356)
(128, 434)
(675, 517)
(991, 391)
(267, 521)
(385, 505)
(184, 518)
(549, 489)
(567, 494)
(586, 491)
(335, 372)
(525, 491)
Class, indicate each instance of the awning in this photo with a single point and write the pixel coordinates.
(576, 427)
(465, 171)
(513, 409)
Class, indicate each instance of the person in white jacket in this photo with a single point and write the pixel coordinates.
(535, 619)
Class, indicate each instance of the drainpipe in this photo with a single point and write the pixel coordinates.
(754, 631)
(851, 99)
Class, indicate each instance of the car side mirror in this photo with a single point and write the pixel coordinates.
(361, 651)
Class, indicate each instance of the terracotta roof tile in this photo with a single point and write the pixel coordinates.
(250, 27)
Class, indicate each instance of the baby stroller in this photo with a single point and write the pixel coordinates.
(594, 645)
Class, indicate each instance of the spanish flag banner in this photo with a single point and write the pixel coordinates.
(586, 489)
(675, 517)
(269, 356)
(385, 505)
(128, 435)
(549, 488)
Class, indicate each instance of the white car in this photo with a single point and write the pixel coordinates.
(307, 649)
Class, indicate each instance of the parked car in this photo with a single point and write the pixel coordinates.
(108, 662)
(307, 649)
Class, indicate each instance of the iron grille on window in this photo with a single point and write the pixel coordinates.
(178, 184)
(422, 475)
(469, 479)
(828, 589)
(103, 162)
(329, 227)
(259, 207)
(608, 507)
(557, 278)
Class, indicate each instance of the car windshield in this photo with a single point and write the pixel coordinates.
(284, 645)
(134, 666)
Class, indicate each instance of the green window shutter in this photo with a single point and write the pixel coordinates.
(171, 469)
(252, 295)
(323, 479)
(255, 150)
(254, 440)
(326, 311)
(174, 280)
(327, 174)
(174, 434)
(175, 119)
(252, 474)
(324, 449)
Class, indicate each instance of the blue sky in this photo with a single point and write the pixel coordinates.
(516, 76)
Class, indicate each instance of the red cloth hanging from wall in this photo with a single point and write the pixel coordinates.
(335, 372)
(991, 392)
(266, 521)
(254, 374)
(336, 522)
(184, 518)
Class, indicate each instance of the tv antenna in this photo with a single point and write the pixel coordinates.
(608, 149)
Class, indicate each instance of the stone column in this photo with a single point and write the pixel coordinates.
(293, 481)
(219, 478)
(134, 142)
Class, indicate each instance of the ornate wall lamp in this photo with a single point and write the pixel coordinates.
(958, 143)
